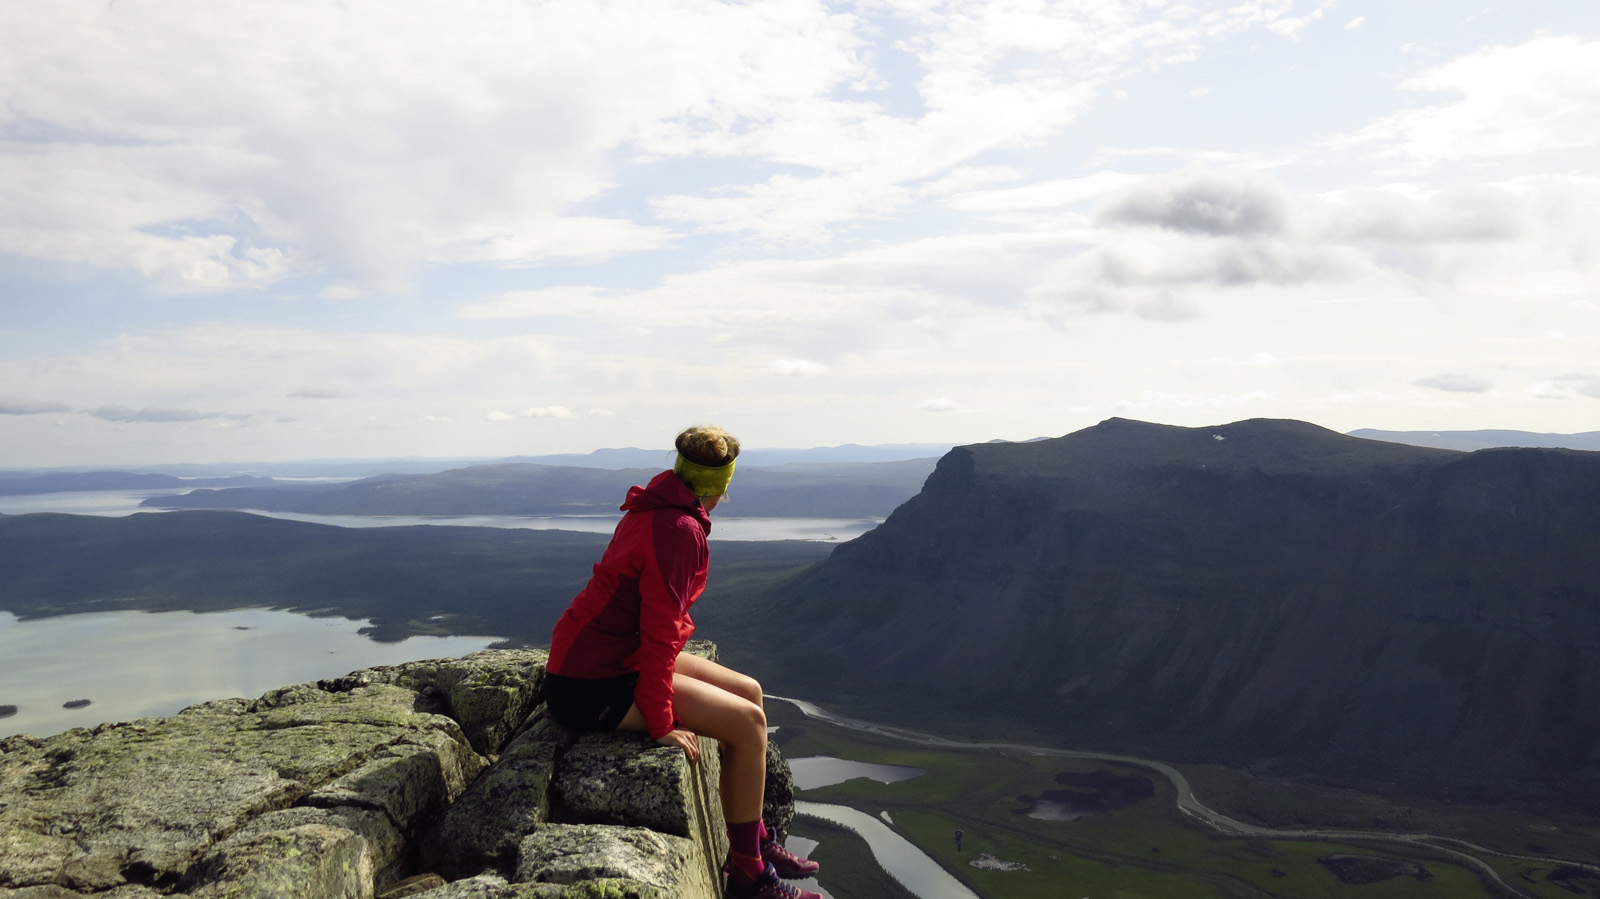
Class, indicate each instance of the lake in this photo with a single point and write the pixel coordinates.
(118, 503)
(139, 664)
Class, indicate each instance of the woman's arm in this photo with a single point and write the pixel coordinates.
(668, 584)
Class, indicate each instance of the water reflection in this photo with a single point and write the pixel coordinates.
(902, 860)
(136, 664)
(1089, 794)
(825, 770)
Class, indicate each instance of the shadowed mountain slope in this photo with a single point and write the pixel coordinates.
(1259, 589)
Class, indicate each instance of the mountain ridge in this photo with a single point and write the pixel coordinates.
(1284, 591)
(806, 490)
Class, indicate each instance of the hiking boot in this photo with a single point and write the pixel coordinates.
(788, 865)
(742, 886)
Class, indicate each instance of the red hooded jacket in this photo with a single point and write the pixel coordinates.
(634, 613)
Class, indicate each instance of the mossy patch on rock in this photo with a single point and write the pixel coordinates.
(482, 828)
(340, 788)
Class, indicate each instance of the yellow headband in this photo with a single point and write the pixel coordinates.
(704, 480)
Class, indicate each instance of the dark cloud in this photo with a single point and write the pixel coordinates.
(1454, 383)
(1154, 281)
(1215, 203)
(152, 414)
(1230, 263)
(25, 407)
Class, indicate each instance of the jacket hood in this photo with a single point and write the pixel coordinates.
(666, 491)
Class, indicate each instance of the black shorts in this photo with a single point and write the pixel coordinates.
(584, 703)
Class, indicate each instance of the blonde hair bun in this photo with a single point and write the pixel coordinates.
(709, 446)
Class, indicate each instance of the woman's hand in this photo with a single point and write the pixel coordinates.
(685, 740)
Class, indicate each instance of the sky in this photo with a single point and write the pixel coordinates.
(244, 231)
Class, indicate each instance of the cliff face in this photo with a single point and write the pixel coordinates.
(1266, 588)
(440, 779)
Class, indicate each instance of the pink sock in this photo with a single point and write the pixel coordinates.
(765, 836)
(744, 846)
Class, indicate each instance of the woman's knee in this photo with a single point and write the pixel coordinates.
(750, 689)
(750, 728)
(754, 720)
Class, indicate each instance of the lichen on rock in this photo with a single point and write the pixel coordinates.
(341, 788)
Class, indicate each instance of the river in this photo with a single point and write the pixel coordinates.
(898, 856)
(1463, 851)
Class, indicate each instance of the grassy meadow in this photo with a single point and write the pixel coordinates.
(1145, 850)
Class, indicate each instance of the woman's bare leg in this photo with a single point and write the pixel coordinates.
(732, 719)
(745, 687)
(722, 676)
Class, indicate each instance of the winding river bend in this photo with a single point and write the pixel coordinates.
(1189, 805)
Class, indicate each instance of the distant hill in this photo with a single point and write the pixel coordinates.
(837, 490)
(408, 580)
(16, 483)
(633, 457)
(1247, 592)
(1487, 439)
(353, 469)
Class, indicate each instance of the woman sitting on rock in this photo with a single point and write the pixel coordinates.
(616, 660)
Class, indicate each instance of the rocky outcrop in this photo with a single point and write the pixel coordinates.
(436, 779)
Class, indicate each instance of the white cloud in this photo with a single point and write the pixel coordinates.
(255, 141)
(1455, 383)
(999, 74)
(534, 412)
(1355, 23)
(1042, 195)
(229, 143)
(1469, 213)
(562, 300)
(965, 178)
(1536, 97)
(801, 368)
(1568, 387)
(819, 214)
(1292, 26)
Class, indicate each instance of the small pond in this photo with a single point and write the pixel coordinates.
(1087, 794)
(825, 770)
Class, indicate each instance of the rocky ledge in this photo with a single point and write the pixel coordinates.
(441, 779)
